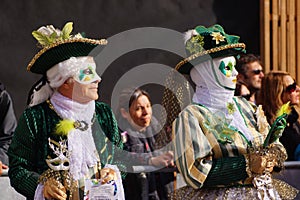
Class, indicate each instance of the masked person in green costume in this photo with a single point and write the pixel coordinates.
(65, 138)
(223, 147)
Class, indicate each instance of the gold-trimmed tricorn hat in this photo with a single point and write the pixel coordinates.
(204, 43)
(59, 45)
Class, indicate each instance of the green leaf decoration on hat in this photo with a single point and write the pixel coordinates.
(47, 35)
(195, 44)
(279, 125)
(67, 30)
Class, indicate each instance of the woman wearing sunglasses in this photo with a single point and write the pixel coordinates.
(278, 88)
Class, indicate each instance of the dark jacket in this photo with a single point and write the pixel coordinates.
(291, 135)
(152, 185)
(8, 123)
(29, 148)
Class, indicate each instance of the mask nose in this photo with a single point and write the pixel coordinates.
(97, 78)
(234, 72)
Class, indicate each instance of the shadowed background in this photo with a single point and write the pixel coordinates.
(103, 19)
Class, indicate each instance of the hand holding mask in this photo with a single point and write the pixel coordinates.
(53, 189)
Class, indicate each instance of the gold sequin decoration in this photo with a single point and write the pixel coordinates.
(71, 40)
(213, 50)
(285, 190)
(62, 176)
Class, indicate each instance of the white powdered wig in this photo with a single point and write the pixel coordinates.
(60, 72)
(56, 76)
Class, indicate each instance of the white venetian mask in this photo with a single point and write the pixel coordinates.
(225, 72)
(62, 161)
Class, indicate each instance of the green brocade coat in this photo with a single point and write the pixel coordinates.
(29, 148)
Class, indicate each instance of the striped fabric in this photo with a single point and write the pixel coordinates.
(197, 141)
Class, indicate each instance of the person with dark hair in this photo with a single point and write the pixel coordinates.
(139, 127)
(242, 90)
(224, 148)
(65, 138)
(8, 124)
(249, 67)
(281, 87)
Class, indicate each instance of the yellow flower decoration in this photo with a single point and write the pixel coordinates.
(218, 37)
(284, 109)
(230, 108)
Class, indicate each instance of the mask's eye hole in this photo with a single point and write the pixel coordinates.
(227, 68)
(66, 164)
(87, 71)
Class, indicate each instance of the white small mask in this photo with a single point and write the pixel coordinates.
(62, 161)
(87, 73)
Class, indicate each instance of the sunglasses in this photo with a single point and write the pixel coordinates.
(291, 88)
(257, 71)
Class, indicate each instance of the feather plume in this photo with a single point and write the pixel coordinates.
(64, 127)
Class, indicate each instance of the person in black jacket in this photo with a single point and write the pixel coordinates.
(139, 127)
(8, 124)
(291, 136)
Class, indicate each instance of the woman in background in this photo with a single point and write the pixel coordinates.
(278, 88)
(139, 128)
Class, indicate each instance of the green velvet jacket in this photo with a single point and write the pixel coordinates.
(29, 148)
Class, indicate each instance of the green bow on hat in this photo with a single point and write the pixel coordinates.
(207, 43)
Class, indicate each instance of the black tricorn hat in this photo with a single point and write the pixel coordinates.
(59, 45)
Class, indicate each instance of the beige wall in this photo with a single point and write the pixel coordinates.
(280, 35)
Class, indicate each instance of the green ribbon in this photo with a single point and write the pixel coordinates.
(231, 39)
